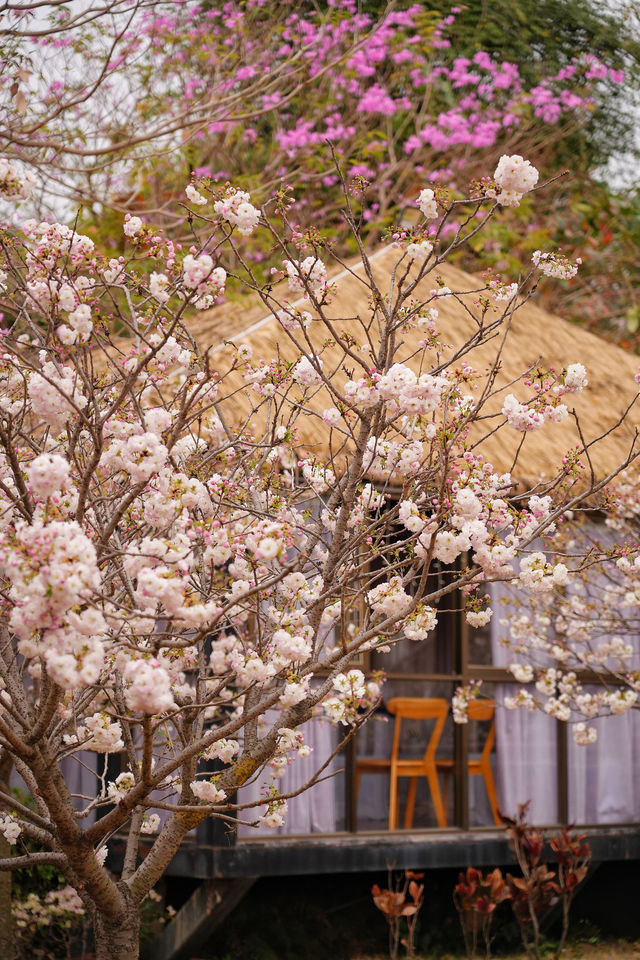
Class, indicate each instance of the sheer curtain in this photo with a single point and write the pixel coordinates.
(316, 810)
(603, 778)
(526, 743)
(526, 761)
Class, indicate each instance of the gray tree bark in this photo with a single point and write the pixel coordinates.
(117, 936)
(7, 947)
(7, 943)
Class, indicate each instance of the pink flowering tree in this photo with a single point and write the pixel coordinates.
(192, 540)
(245, 90)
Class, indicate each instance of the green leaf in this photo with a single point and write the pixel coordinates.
(633, 318)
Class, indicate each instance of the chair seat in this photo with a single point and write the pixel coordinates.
(447, 766)
(412, 768)
(403, 768)
(373, 764)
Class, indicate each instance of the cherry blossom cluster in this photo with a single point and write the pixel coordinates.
(476, 512)
(538, 575)
(200, 276)
(15, 185)
(427, 204)
(352, 696)
(98, 733)
(307, 276)
(236, 208)
(420, 624)
(207, 792)
(554, 264)
(545, 404)
(514, 177)
(461, 699)
(55, 907)
(276, 809)
(10, 829)
(579, 615)
(290, 745)
(564, 698)
(400, 387)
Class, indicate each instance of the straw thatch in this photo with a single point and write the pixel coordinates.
(535, 337)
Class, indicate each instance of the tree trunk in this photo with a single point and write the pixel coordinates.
(6, 917)
(118, 938)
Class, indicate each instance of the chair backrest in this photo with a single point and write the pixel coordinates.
(418, 708)
(485, 710)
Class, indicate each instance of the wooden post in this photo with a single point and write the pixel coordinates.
(461, 730)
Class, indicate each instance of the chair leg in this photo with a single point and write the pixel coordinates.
(436, 797)
(487, 774)
(411, 803)
(393, 800)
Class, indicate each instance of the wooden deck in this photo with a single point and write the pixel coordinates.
(353, 853)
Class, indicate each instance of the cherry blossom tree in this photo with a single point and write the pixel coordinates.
(195, 545)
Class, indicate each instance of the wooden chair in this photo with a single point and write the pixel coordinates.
(410, 708)
(479, 710)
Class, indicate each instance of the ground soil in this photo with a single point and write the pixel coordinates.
(607, 950)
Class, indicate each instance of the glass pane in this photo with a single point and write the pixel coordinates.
(428, 807)
(482, 761)
(479, 641)
(436, 654)
(411, 657)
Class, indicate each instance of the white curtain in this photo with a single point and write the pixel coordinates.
(603, 778)
(526, 764)
(316, 809)
(526, 743)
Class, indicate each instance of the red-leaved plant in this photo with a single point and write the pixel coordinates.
(535, 892)
(532, 895)
(476, 898)
(402, 900)
(573, 854)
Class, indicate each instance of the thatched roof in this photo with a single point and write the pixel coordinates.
(535, 336)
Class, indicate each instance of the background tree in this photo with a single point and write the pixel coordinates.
(402, 93)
